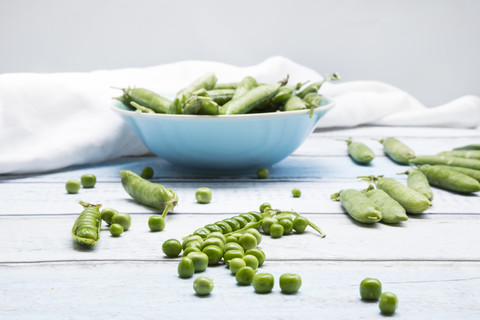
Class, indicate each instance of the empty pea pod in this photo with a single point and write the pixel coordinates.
(358, 205)
(359, 152)
(397, 150)
(146, 98)
(86, 229)
(206, 81)
(467, 154)
(392, 211)
(448, 179)
(449, 161)
(418, 181)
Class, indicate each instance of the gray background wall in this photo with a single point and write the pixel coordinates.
(428, 48)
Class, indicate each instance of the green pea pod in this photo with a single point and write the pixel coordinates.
(449, 179)
(312, 100)
(86, 229)
(141, 109)
(469, 147)
(397, 150)
(467, 154)
(221, 96)
(283, 94)
(412, 201)
(295, 103)
(148, 193)
(313, 88)
(392, 211)
(147, 98)
(449, 161)
(358, 205)
(227, 85)
(418, 181)
(176, 107)
(192, 105)
(125, 100)
(475, 174)
(247, 84)
(251, 99)
(359, 152)
(206, 81)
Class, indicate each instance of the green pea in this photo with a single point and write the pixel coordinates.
(214, 254)
(191, 238)
(450, 179)
(264, 206)
(232, 246)
(262, 173)
(195, 244)
(357, 205)
(290, 283)
(224, 226)
(203, 286)
(263, 283)
(232, 254)
(284, 216)
(418, 181)
(231, 238)
(412, 201)
(259, 254)
(296, 193)
(300, 224)
(212, 241)
(235, 225)
(186, 269)
(200, 260)
(203, 195)
(213, 228)
(267, 223)
(241, 221)
(202, 232)
(370, 289)
(276, 230)
(397, 150)
(218, 235)
(122, 218)
(107, 215)
(244, 276)
(88, 180)
(249, 217)
(388, 303)
(116, 230)
(147, 173)
(257, 234)
(287, 226)
(391, 210)
(72, 186)
(251, 261)
(189, 250)
(156, 223)
(172, 248)
(359, 152)
(248, 241)
(236, 264)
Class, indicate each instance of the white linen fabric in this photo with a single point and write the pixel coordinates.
(51, 121)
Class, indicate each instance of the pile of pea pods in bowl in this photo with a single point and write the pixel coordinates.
(216, 127)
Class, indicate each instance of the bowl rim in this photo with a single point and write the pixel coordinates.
(329, 105)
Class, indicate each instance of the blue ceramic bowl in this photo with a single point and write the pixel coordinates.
(225, 143)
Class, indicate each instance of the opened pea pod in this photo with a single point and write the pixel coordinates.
(86, 229)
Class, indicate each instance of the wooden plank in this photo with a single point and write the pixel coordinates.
(151, 290)
(228, 197)
(428, 238)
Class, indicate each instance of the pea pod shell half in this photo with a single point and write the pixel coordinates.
(412, 201)
(448, 179)
(418, 181)
(359, 206)
(90, 214)
(392, 211)
(397, 150)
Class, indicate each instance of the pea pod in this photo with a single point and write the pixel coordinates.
(146, 98)
(475, 174)
(358, 205)
(397, 150)
(412, 201)
(312, 101)
(140, 108)
(449, 161)
(359, 152)
(148, 193)
(206, 81)
(295, 103)
(467, 154)
(418, 181)
(449, 179)
(251, 99)
(392, 211)
(315, 87)
(221, 96)
(469, 147)
(247, 84)
(283, 94)
(226, 85)
(86, 229)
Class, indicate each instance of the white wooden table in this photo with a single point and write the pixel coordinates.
(431, 262)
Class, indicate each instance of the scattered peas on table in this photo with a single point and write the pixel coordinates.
(370, 289)
(296, 193)
(147, 173)
(203, 195)
(388, 303)
(203, 286)
(290, 283)
(156, 223)
(116, 229)
(88, 180)
(262, 173)
(72, 186)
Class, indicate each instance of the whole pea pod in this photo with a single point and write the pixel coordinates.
(221, 96)
(247, 84)
(146, 98)
(226, 85)
(283, 94)
(412, 201)
(315, 87)
(206, 81)
(397, 150)
(475, 174)
(295, 103)
(312, 100)
(418, 181)
(469, 147)
(392, 211)
(448, 179)
(359, 152)
(449, 161)
(358, 205)
(148, 193)
(467, 154)
(86, 229)
(251, 99)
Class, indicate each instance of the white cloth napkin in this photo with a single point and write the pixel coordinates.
(51, 121)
